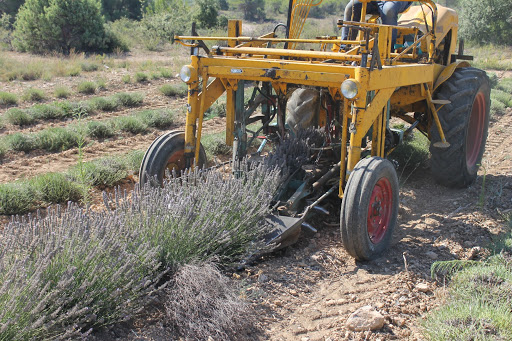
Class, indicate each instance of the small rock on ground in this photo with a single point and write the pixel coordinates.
(365, 318)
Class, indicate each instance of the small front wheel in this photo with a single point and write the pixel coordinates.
(166, 154)
(369, 208)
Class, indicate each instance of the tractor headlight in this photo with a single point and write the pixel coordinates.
(187, 73)
(350, 88)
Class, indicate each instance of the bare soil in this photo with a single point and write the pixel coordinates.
(307, 291)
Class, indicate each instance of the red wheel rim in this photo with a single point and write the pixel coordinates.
(475, 130)
(176, 162)
(379, 210)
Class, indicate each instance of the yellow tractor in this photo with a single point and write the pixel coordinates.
(349, 88)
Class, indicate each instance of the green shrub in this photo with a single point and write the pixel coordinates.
(56, 188)
(102, 172)
(133, 99)
(19, 117)
(34, 95)
(75, 108)
(166, 73)
(493, 79)
(126, 79)
(505, 85)
(21, 142)
(141, 77)
(47, 111)
(502, 96)
(133, 160)
(57, 139)
(8, 99)
(89, 67)
(159, 118)
(215, 144)
(73, 72)
(98, 129)
(130, 124)
(216, 110)
(101, 84)
(497, 108)
(62, 92)
(105, 103)
(86, 87)
(61, 25)
(3, 148)
(207, 13)
(174, 90)
(15, 198)
(486, 22)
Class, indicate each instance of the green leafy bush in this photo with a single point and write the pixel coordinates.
(8, 99)
(61, 25)
(56, 188)
(105, 103)
(98, 129)
(486, 22)
(57, 139)
(497, 108)
(505, 85)
(159, 118)
(165, 73)
(207, 13)
(141, 77)
(174, 90)
(15, 198)
(34, 95)
(502, 96)
(86, 87)
(130, 124)
(127, 79)
(102, 172)
(133, 99)
(89, 67)
(48, 111)
(18, 117)
(62, 92)
(21, 142)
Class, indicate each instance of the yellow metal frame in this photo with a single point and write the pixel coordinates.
(395, 82)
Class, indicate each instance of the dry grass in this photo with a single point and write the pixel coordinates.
(203, 303)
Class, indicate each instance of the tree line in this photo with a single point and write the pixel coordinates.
(41, 26)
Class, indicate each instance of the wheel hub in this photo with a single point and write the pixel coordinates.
(379, 210)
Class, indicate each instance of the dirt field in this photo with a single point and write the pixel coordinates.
(307, 291)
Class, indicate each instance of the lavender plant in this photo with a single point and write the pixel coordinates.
(74, 270)
(201, 214)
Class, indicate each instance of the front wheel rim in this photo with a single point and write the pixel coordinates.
(475, 134)
(176, 162)
(379, 210)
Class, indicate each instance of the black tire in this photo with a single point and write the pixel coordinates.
(372, 183)
(465, 122)
(165, 150)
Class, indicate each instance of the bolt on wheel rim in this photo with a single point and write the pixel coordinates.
(379, 210)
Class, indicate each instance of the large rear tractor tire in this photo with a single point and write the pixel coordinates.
(465, 122)
(166, 153)
(369, 208)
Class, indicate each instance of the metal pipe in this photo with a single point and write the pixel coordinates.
(276, 40)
